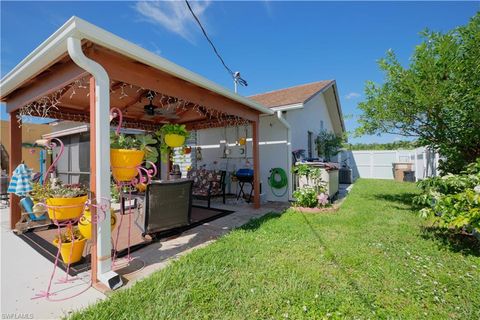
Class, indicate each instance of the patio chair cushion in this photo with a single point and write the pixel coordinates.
(206, 182)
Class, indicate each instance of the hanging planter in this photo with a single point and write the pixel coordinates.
(85, 223)
(72, 246)
(173, 136)
(242, 141)
(174, 140)
(187, 150)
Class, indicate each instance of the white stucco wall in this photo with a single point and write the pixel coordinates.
(273, 143)
(273, 152)
(308, 119)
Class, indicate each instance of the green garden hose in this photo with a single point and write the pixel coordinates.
(278, 180)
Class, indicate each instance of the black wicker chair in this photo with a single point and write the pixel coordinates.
(168, 205)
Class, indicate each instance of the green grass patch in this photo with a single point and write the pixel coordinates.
(373, 258)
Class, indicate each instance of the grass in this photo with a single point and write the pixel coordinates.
(374, 258)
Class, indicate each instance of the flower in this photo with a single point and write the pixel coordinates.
(322, 199)
(477, 189)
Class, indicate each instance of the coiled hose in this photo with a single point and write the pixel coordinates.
(278, 180)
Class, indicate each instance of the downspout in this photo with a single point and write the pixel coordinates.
(102, 159)
(289, 152)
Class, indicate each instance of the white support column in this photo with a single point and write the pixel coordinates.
(102, 160)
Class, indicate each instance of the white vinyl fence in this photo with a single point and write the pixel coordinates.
(378, 164)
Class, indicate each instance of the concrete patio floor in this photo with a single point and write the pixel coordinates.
(24, 272)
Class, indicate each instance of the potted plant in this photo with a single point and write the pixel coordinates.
(173, 135)
(85, 223)
(71, 244)
(64, 201)
(127, 152)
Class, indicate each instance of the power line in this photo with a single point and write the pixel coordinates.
(235, 75)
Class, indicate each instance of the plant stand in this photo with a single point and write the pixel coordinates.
(144, 176)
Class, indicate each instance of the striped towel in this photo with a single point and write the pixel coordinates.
(21, 182)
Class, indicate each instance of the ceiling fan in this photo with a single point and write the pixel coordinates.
(152, 110)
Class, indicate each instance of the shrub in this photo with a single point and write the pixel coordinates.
(306, 197)
(452, 200)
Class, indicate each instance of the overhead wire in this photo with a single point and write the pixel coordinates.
(235, 75)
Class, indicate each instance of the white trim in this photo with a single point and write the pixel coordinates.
(56, 46)
(288, 107)
(67, 132)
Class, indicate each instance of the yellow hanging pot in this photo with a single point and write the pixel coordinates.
(242, 141)
(66, 208)
(69, 254)
(174, 140)
(85, 223)
(124, 163)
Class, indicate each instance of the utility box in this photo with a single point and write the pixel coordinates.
(345, 176)
(400, 168)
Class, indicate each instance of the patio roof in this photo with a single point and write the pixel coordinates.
(49, 70)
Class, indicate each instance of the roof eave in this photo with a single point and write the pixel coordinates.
(56, 46)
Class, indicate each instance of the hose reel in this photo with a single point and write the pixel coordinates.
(278, 180)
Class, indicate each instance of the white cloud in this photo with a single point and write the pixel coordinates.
(352, 95)
(173, 15)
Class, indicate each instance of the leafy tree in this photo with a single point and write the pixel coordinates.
(436, 100)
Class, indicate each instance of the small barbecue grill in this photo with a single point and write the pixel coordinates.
(245, 176)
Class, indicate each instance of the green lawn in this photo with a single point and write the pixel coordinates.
(371, 259)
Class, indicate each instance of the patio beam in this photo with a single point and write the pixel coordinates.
(124, 69)
(15, 160)
(58, 78)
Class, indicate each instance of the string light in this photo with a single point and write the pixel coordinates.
(50, 107)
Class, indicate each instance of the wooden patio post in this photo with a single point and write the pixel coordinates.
(15, 160)
(93, 175)
(256, 163)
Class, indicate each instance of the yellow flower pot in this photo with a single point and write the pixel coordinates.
(66, 249)
(66, 208)
(174, 140)
(124, 163)
(85, 223)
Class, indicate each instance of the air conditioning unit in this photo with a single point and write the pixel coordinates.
(345, 176)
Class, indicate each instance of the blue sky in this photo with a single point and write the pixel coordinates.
(273, 44)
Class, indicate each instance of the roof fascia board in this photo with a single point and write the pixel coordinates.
(339, 106)
(320, 91)
(288, 107)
